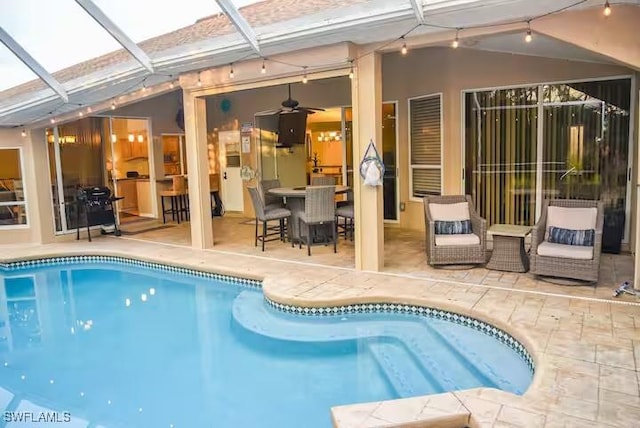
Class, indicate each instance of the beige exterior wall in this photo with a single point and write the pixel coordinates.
(450, 71)
(34, 159)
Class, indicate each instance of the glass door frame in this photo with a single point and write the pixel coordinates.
(356, 164)
(540, 105)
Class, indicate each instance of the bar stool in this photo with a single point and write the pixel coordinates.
(179, 200)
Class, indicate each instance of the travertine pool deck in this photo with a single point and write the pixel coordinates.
(586, 348)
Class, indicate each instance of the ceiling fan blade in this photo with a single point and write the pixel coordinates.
(268, 112)
(311, 108)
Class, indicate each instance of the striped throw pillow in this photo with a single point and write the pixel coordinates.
(452, 227)
(584, 238)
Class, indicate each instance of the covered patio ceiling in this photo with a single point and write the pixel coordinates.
(89, 32)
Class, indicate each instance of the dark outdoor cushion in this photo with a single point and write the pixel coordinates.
(452, 227)
(584, 238)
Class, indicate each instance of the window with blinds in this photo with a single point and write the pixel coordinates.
(425, 116)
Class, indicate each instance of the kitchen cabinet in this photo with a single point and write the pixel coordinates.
(129, 191)
(143, 190)
(139, 150)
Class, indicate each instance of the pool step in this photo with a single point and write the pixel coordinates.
(401, 369)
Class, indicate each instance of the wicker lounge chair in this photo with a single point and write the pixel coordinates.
(567, 261)
(454, 248)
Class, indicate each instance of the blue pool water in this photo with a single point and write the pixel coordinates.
(118, 345)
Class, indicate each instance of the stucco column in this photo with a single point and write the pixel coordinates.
(366, 89)
(195, 126)
(41, 203)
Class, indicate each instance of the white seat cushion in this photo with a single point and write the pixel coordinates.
(571, 218)
(459, 239)
(579, 252)
(449, 212)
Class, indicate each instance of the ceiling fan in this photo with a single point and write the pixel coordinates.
(290, 106)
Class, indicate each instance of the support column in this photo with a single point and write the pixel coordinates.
(366, 90)
(195, 126)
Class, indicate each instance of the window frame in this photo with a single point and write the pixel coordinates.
(24, 190)
(440, 96)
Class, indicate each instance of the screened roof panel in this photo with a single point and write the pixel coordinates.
(12, 70)
(145, 19)
(58, 34)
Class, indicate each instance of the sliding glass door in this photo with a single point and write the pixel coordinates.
(76, 160)
(525, 144)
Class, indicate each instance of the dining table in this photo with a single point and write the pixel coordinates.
(294, 200)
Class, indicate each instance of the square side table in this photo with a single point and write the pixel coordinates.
(508, 248)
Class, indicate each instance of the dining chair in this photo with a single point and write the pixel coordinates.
(265, 215)
(270, 200)
(345, 210)
(323, 180)
(318, 217)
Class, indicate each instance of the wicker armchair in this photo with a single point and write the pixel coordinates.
(454, 254)
(565, 266)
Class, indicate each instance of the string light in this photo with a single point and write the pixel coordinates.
(607, 9)
(24, 133)
(404, 50)
(80, 114)
(456, 41)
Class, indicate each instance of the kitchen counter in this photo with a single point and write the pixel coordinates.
(141, 178)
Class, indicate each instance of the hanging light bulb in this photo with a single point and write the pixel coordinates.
(171, 84)
(53, 119)
(304, 77)
(113, 105)
(24, 133)
(528, 37)
(607, 9)
(403, 49)
(199, 81)
(231, 71)
(264, 68)
(456, 41)
(80, 114)
(89, 110)
(351, 71)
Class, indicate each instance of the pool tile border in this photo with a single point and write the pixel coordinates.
(52, 261)
(425, 311)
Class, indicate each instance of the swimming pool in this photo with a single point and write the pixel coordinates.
(117, 344)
